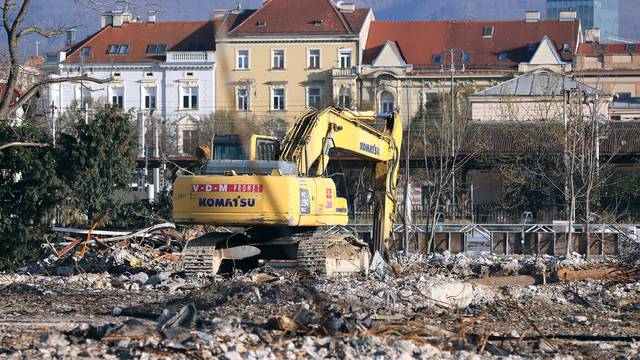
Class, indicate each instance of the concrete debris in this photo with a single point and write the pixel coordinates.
(101, 251)
(441, 306)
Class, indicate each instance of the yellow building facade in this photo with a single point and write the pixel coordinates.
(270, 73)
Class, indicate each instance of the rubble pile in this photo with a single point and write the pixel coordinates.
(412, 306)
(442, 306)
(91, 252)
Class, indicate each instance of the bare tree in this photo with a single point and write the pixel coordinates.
(13, 17)
(442, 162)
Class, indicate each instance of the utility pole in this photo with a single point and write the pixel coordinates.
(407, 194)
(155, 153)
(53, 123)
(453, 128)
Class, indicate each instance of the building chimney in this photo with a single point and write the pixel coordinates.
(346, 7)
(592, 35)
(151, 16)
(71, 37)
(219, 14)
(106, 19)
(117, 18)
(532, 16)
(568, 15)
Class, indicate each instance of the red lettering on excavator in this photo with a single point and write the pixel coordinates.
(242, 188)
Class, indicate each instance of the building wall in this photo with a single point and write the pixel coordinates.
(295, 78)
(168, 81)
(526, 109)
(412, 91)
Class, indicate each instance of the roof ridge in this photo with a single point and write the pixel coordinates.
(89, 39)
(467, 21)
(343, 20)
(264, 4)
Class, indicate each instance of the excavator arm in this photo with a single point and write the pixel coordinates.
(314, 134)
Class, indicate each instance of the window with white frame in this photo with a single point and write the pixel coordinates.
(344, 97)
(190, 97)
(243, 99)
(117, 97)
(277, 59)
(149, 94)
(387, 102)
(242, 60)
(313, 59)
(314, 97)
(345, 58)
(277, 99)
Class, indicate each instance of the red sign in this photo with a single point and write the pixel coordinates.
(241, 188)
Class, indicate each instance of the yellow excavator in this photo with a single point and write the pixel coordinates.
(281, 198)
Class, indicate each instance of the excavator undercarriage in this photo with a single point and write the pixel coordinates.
(314, 252)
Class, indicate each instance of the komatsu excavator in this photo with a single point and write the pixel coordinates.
(281, 205)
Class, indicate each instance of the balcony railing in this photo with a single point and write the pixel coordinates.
(344, 72)
(190, 56)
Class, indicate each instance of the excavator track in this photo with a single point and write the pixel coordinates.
(332, 254)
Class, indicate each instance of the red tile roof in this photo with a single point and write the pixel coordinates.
(419, 41)
(301, 16)
(179, 36)
(597, 49)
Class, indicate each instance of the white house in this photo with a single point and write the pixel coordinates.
(163, 72)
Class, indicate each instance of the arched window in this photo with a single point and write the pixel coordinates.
(387, 102)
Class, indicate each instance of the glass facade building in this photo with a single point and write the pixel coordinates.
(602, 14)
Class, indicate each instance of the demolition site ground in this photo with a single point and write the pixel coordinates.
(439, 306)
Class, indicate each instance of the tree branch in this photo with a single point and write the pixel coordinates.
(38, 30)
(4, 113)
(22, 144)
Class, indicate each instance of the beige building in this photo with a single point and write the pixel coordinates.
(615, 69)
(275, 61)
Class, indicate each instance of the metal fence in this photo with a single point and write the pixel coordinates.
(479, 214)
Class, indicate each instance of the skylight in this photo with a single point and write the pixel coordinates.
(503, 56)
(630, 47)
(157, 49)
(437, 59)
(118, 49)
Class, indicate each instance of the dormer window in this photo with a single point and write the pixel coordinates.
(157, 49)
(86, 51)
(118, 49)
(466, 57)
(566, 48)
(437, 59)
(503, 57)
(261, 23)
(317, 22)
(488, 31)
